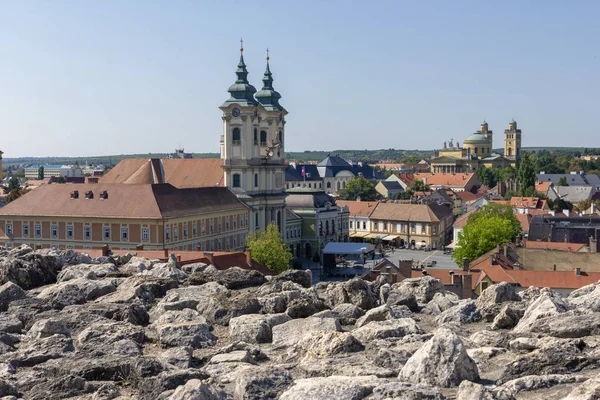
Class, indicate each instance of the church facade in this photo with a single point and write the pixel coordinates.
(477, 150)
(253, 148)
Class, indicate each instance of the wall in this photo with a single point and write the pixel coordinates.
(544, 260)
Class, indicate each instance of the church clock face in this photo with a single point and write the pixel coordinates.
(235, 112)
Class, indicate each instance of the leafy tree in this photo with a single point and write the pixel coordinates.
(268, 248)
(411, 160)
(526, 174)
(560, 204)
(41, 173)
(13, 183)
(357, 188)
(486, 228)
(404, 195)
(562, 182)
(419, 186)
(583, 205)
(15, 194)
(487, 176)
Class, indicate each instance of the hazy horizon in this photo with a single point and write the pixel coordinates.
(84, 79)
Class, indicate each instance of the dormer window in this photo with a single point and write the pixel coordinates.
(236, 136)
(104, 195)
(75, 194)
(89, 194)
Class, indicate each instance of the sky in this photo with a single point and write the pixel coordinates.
(84, 78)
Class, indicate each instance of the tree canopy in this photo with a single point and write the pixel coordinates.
(562, 181)
(359, 188)
(268, 248)
(13, 183)
(486, 228)
(418, 185)
(526, 175)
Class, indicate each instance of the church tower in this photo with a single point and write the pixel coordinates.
(512, 141)
(485, 131)
(252, 148)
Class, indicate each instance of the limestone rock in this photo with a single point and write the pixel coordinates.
(301, 277)
(258, 383)
(332, 387)
(547, 304)
(178, 356)
(465, 312)
(589, 390)
(48, 327)
(30, 270)
(219, 308)
(442, 361)
(76, 291)
(473, 391)
(255, 328)
(322, 344)
(405, 391)
(345, 312)
(231, 278)
(385, 329)
(587, 297)
(355, 291)
(490, 299)
(10, 324)
(423, 288)
(292, 331)
(534, 382)
(10, 292)
(383, 313)
(441, 302)
(509, 315)
(86, 271)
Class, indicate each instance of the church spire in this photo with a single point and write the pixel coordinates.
(268, 97)
(242, 92)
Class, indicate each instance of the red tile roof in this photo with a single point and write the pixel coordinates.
(555, 279)
(542, 187)
(358, 208)
(561, 246)
(462, 220)
(525, 202)
(524, 220)
(447, 180)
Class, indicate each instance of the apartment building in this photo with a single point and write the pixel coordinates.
(126, 217)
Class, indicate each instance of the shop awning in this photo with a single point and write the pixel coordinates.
(358, 234)
(375, 236)
(390, 238)
(452, 245)
(347, 248)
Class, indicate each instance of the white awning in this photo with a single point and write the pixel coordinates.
(358, 234)
(347, 248)
(390, 238)
(451, 245)
(376, 236)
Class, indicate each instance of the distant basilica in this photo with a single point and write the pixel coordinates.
(477, 150)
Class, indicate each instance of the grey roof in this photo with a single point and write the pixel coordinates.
(333, 161)
(332, 165)
(572, 194)
(575, 229)
(392, 185)
(298, 198)
(572, 179)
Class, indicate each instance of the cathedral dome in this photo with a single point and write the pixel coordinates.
(477, 138)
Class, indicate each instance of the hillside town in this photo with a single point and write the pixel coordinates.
(468, 271)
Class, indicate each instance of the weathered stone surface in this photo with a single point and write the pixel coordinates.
(345, 312)
(191, 334)
(220, 307)
(534, 382)
(37, 351)
(10, 324)
(86, 271)
(301, 277)
(332, 387)
(258, 383)
(292, 331)
(10, 292)
(306, 305)
(140, 287)
(588, 297)
(490, 300)
(570, 324)
(509, 315)
(196, 390)
(547, 304)
(322, 344)
(28, 269)
(405, 391)
(472, 391)
(76, 291)
(231, 278)
(423, 289)
(48, 327)
(589, 390)
(255, 328)
(99, 336)
(355, 291)
(383, 313)
(465, 312)
(440, 302)
(442, 361)
(385, 329)
(178, 356)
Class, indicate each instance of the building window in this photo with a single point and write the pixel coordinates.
(185, 227)
(236, 180)
(87, 232)
(203, 227)
(280, 137)
(237, 136)
(434, 229)
(175, 232)
(145, 234)
(38, 230)
(263, 138)
(69, 231)
(351, 224)
(212, 245)
(25, 229)
(413, 228)
(194, 246)
(255, 136)
(220, 224)
(235, 241)
(328, 185)
(227, 225)
(255, 180)
(212, 226)
(124, 233)
(106, 233)
(385, 226)
(235, 218)
(256, 221)
(54, 230)
(203, 246)
(220, 245)
(364, 225)
(9, 230)
(194, 229)
(168, 233)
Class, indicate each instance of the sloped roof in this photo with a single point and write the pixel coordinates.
(359, 208)
(451, 180)
(123, 201)
(525, 202)
(406, 178)
(524, 220)
(179, 172)
(555, 279)
(542, 187)
(392, 185)
(333, 161)
(411, 212)
(462, 220)
(572, 179)
(560, 246)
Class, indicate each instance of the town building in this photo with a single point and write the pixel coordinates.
(148, 216)
(180, 153)
(569, 229)
(331, 174)
(56, 171)
(389, 189)
(359, 214)
(458, 182)
(477, 150)
(323, 220)
(412, 224)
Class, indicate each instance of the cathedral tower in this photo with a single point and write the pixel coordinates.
(252, 147)
(512, 141)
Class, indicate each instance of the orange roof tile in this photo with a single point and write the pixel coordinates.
(452, 180)
(542, 187)
(358, 208)
(462, 220)
(527, 202)
(524, 220)
(555, 279)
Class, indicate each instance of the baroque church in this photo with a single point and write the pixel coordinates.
(477, 150)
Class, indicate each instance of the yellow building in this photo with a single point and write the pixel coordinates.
(477, 150)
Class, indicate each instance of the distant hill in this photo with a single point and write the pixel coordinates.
(394, 155)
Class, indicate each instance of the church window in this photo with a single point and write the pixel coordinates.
(236, 180)
(255, 180)
(280, 137)
(263, 138)
(256, 221)
(338, 186)
(328, 185)
(237, 136)
(255, 136)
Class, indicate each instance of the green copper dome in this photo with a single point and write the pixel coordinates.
(242, 92)
(476, 138)
(269, 97)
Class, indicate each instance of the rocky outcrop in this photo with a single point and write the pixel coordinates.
(255, 328)
(231, 278)
(291, 332)
(442, 361)
(386, 329)
(491, 299)
(332, 387)
(548, 303)
(355, 291)
(10, 292)
(465, 312)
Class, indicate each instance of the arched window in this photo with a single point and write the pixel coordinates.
(333, 227)
(328, 185)
(280, 137)
(326, 227)
(255, 136)
(263, 138)
(256, 221)
(237, 135)
(255, 180)
(236, 180)
(338, 186)
(344, 184)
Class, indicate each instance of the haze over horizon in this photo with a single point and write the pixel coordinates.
(86, 79)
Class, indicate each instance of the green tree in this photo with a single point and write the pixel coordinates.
(486, 228)
(268, 248)
(357, 188)
(562, 182)
(419, 186)
(487, 176)
(41, 173)
(411, 160)
(526, 174)
(14, 194)
(13, 183)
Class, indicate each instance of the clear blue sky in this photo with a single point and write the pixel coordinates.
(82, 78)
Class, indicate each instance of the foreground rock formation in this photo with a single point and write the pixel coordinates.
(73, 327)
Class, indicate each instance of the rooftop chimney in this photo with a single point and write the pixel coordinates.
(249, 257)
(593, 245)
(465, 263)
